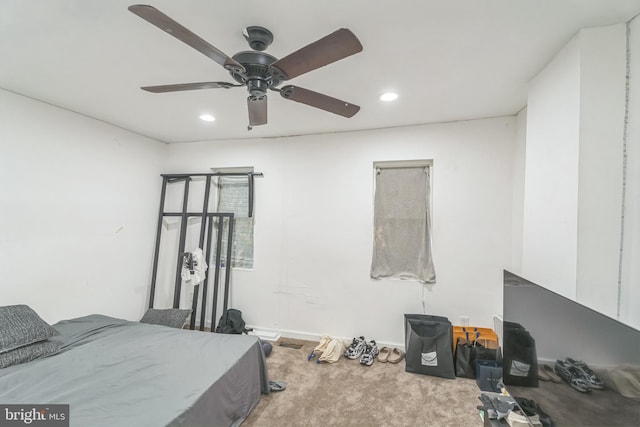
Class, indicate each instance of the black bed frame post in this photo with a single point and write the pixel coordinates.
(194, 307)
(183, 237)
(205, 283)
(227, 270)
(203, 223)
(216, 279)
(156, 252)
(205, 210)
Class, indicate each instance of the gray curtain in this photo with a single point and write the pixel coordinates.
(402, 241)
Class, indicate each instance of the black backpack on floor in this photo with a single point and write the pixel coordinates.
(231, 322)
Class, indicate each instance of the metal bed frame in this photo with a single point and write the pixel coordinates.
(206, 235)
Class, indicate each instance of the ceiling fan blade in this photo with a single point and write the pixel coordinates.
(257, 106)
(318, 100)
(162, 21)
(188, 86)
(331, 48)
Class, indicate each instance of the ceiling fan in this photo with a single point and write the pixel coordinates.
(259, 71)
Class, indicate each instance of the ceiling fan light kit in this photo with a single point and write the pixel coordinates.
(258, 71)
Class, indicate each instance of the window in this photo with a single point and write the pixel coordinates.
(402, 224)
(233, 196)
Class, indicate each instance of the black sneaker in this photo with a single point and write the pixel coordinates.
(587, 373)
(572, 375)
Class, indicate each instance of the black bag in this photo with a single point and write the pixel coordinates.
(520, 359)
(467, 352)
(231, 322)
(429, 345)
(489, 375)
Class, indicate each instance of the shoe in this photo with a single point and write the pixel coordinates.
(572, 375)
(587, 374)
(356, 348)
(542, 375)
(396, 356)
(383, 356)
(277, 385)
(552, 375)
(369, 354)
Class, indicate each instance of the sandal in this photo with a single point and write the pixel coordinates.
(384, 354)
(396, 356)
(542, 375)
(277, 385)
(552, 375)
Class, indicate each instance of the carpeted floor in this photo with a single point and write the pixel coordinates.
(346, 393)
(568, 407)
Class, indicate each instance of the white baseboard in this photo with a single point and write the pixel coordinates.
(265, 335)
(306, 336)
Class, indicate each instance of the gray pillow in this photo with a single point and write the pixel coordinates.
(20, 326)
(27, 353)
(172, 317)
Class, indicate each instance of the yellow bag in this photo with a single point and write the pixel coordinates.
(485, 336)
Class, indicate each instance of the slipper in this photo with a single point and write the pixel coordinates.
(396, 356)
(277, 385)
(552, 375)
(542, 375)
(384, 354)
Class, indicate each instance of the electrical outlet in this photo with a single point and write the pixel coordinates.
(464, 320)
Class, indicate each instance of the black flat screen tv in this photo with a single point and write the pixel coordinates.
(560, 329)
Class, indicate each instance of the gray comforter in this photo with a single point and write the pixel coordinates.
(116, 373)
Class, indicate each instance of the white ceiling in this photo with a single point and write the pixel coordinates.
(447, 59)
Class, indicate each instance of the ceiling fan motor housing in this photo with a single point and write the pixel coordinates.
(257, 88)
(258, 75)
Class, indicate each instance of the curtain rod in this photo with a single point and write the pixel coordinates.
(185, 175)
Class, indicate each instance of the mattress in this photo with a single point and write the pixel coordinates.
(114, 372)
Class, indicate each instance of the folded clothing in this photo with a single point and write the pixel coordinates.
(515, 419)
(497, 405)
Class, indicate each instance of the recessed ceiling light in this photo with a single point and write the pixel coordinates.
(389, 96)
(207, 117)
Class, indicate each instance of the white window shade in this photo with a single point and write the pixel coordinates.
(402, 240)
(233, 197)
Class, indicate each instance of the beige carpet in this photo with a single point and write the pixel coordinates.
(346, 393)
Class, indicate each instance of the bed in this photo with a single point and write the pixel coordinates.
(114, 372)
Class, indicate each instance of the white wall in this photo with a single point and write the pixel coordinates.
(78, 210)
(519, 167)
(630, 290)
(314, 221)
(602, 91)
(574, 170)
(549, 253)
